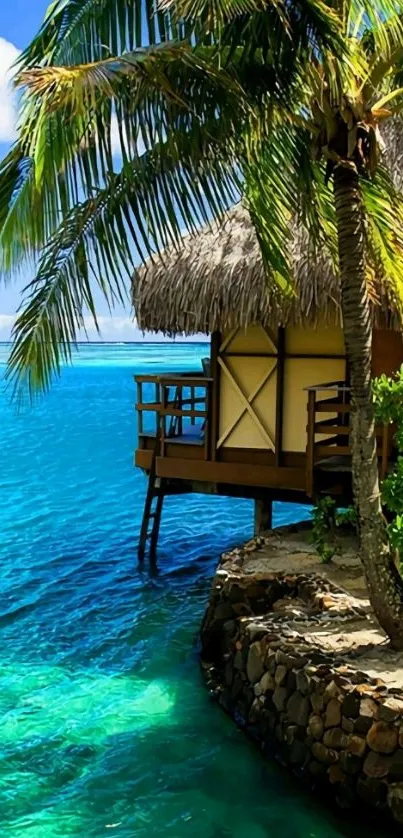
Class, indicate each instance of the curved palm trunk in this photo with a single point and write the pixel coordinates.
(384, 582)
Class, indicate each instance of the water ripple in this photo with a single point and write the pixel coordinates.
(105, 727)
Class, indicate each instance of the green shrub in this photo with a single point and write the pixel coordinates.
(388, 398)
(326, 518)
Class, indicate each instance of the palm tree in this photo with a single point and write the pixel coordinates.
(280, 101)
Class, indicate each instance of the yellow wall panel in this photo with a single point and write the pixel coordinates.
(298, 374)
(314, 341)
(248, 373)
(253, 339)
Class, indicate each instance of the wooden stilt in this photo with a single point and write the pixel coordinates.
(156, 518)
(263, 515)
(152, 512)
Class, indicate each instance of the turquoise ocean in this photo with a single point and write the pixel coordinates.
(105, 726)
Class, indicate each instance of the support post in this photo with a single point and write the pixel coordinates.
(214, 394)
(263, 516)
(278, 449)
(310, 444)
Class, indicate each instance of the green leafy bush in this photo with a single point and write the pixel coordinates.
(326, 518)
(388, 398)
(323, 522)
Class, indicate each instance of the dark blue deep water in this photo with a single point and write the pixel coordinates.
(105, 728)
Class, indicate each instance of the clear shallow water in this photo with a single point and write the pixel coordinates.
(105, 727)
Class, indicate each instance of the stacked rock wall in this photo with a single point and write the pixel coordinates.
(330, 723)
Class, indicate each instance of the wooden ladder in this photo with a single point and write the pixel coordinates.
(152, 512)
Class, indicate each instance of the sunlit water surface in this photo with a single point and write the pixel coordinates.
(106, 728)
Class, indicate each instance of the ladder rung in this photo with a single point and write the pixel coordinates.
(155, 491)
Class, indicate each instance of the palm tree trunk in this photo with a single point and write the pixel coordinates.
(385, 585)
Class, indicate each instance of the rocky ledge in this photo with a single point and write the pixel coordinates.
(296, 659)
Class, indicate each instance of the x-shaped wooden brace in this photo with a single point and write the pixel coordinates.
(247, 404)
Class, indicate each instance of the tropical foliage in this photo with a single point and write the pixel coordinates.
(326, 520)
(195, 98)
(388, 396)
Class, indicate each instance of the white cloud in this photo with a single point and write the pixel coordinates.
(6, 324)
(112, 329)
(8, 112)
(124, 328)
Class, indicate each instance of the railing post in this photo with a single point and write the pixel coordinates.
(176, 400)
(345, 400)
(162, 422)
(140, 412)
(179, 401)
(215, 371)
(192, 404)
(310, 444)
(207, 403)
(157, 398)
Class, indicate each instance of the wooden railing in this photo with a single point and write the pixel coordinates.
(334, 431)
(180, 408)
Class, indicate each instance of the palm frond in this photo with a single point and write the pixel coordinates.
(71, 114)
(15, 207)
(384, 45)
(383, 205)
(145, 206)
(285, 191)
(70, 118)
(83, 31)
(302, 23)
(76, 86)
(202, 93)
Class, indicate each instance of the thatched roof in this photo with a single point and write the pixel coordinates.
(217, 281)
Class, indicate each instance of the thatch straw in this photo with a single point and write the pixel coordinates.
(217, 281)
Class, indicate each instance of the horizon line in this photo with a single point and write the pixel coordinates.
(126, 342)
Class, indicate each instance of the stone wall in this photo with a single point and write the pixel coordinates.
(332, 724)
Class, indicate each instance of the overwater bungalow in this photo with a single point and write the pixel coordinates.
(267, 415)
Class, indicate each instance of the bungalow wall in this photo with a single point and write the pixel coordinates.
(311, 357)
(262, 376)
(247, 367)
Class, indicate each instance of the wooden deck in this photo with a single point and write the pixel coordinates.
(176, 415)
(177, 448)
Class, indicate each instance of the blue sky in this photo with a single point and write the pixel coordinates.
(19, 21)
